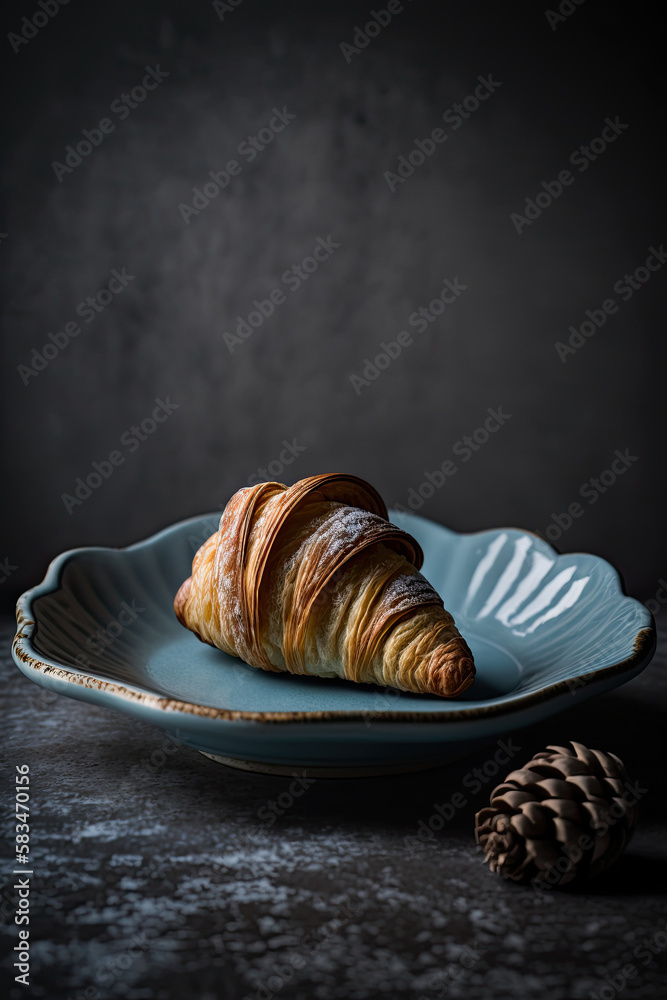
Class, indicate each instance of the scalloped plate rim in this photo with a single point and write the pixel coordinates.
(31, 662)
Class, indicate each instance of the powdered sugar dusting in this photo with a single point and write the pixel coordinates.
(409, 590)
(343, 526)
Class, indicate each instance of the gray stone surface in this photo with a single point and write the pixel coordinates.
(158, 873)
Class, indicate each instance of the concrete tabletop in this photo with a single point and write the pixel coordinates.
(158, 873)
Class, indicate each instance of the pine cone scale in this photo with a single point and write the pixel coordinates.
(565, 808)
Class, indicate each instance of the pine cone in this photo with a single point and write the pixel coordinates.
(568, 814)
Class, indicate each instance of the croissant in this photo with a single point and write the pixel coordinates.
(313, 579)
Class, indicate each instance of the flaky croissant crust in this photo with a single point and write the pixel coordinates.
(313, 579)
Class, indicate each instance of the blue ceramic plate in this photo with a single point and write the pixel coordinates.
(544, 629)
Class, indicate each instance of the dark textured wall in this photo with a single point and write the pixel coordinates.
(323, 176)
